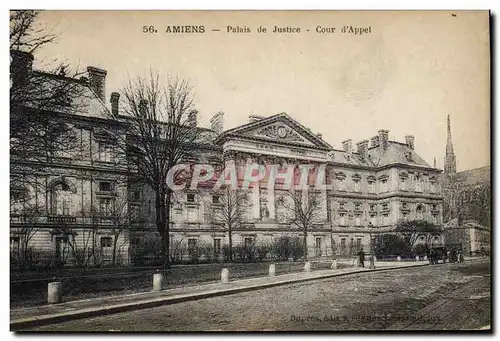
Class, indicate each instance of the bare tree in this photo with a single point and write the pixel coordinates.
(230, 212)
(303, 209)
(159, 135)
(39, 101)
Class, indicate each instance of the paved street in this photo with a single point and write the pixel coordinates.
(452, 296)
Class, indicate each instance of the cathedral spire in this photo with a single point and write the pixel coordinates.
(435, 162)
(450, 163)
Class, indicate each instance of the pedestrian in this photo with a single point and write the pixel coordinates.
(461, 257)
(361, 255)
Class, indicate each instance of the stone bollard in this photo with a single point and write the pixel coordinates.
(54, 293)
(372, 262)
(399, 259)
(334, 264)
(417, 258)
(307, 267)
(224, 275)
(272, 270)
(158, 279)
(425, 258)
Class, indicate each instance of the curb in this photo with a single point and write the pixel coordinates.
(16, 325)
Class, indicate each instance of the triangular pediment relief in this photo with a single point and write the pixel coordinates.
(279, 132)
(278, 129)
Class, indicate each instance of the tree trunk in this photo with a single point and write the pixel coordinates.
(115, 242)
(230, 244)
(160, 224)
(305, 245)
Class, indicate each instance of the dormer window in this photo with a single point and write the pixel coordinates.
(190, 198)
(409, 156)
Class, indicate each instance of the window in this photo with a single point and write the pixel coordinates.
(383, 186)
(192, 214)
(434, 207)
(357, 185)
(14, 244)
(191, 244)
(434, 219)
(405, 216)
(341, 184)
(433, 187)
(371, 185)
(357, 207)
(106, 206)
(385, 219)
(215, 199)
(358, 220)
(106, 242)
(385, 207)
(105, 186)
(217, 243)
(105, 152)
(418, 183)
(342, 219)
(342, 246)
(248, 242)
(341, 206)
(135, 212)
(136, 195)
(372, 207)
(405, 205)
(359, 246)
(318, 247)
(190, 198)
(420, 212)
(403, 184)
(61, 199)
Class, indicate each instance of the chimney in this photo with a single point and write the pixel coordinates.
(363, 149)
(410, 141)
(375, 141)
(217, 122)
(254, 118)
(347, 145)
(193, 119)
(383, 136)
(97, 78)
(21, 65)
(319, 135)
(115, 98)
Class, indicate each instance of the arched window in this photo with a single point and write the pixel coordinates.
(61, 198)
(420, 212)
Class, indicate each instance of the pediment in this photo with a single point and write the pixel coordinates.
(279, 132)
(279, 128)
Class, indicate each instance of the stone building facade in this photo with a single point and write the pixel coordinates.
(467, 203)
(372, 186)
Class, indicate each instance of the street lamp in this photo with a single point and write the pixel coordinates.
(372, 247)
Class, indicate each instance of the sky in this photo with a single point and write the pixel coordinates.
(406, 75)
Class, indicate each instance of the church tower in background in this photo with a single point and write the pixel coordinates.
(450, 163)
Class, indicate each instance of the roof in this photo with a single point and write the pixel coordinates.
(474, 176)
(396, 152)
(58, 93)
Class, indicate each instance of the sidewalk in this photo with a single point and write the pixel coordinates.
(41, 315)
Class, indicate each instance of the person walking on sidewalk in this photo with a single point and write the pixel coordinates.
(361, 255)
